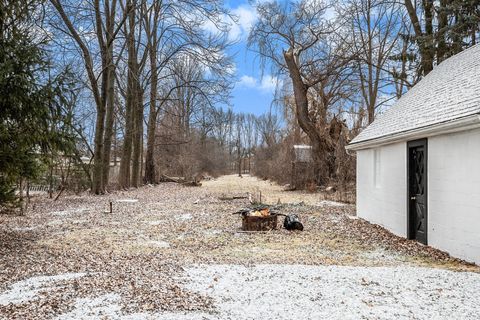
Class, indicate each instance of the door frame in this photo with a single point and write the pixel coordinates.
(411, 214)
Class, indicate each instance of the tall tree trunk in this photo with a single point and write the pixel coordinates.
(239, 156)
(115, 143)
(109, 119)
(99, 167)
(442, 29)
(423, 39)
(124, 172)
(98, 186)
(370, 103)
(110, 89)
(152, 125)
(457, 39)
(300, 90)
(131, 100)
(152, 116)
(137, 136)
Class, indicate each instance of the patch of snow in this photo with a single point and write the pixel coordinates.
(158, 244)
(332, 292)
(80, 221)
(69, 212)
(106, 306)
(29, 289)
(183, 217)
(381, 254)
(335, 217)
(155, 222)
(182, 236)
(183, 315)
(284, 292)
(55, 222)
(127, 200)
(109, 306)
(212, 233)
(255, 250)
(328, 203)
(24, 229)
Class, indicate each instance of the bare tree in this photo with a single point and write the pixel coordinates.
(178, 40)
(268, 125)
(298, 40)
(133, 102)
(106, 31)
(375, 29)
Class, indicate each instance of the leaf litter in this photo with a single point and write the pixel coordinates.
(137, 255)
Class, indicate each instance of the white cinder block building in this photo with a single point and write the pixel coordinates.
(418, 164)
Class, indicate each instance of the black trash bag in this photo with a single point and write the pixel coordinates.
(292, 222)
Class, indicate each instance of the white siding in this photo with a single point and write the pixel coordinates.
(381, 186)
(454, 194)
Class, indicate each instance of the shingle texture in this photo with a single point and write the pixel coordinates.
(449, 92)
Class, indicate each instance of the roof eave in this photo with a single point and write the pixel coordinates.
(459, 124)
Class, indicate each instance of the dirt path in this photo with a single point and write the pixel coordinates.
(70, 258)
(271, 193)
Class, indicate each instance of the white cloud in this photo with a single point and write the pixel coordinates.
(244, 17)
(247, 82)
(330, 14)
(267, 84)
(210, 27)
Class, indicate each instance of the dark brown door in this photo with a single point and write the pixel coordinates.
(417, 190)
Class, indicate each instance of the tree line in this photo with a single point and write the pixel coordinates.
(144, 82)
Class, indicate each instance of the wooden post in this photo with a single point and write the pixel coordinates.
(50, 186)
(293, 181)
(20, 194)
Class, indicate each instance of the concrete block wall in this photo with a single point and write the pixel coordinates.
(382, 186)
(454, 194)
(453, 191)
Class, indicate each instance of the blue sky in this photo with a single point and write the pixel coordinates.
(252, 93)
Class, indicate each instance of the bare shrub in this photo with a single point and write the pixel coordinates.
(274, 163)
(192, 158)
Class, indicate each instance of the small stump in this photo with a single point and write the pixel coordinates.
(259, 223)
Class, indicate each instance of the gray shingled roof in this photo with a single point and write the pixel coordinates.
(451, 91)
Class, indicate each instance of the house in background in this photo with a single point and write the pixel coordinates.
(418, 164)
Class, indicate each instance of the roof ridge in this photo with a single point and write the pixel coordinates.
(450, 90)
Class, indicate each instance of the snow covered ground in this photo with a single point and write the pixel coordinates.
(334, 292)
(311, 292)
(31, 288)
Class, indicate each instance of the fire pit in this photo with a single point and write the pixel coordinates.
(258, 219)
(252, 223)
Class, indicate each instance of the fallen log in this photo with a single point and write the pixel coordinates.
(225, 198)
(192, 183)
(165, 178)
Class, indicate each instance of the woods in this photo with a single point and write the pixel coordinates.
(142, 88)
